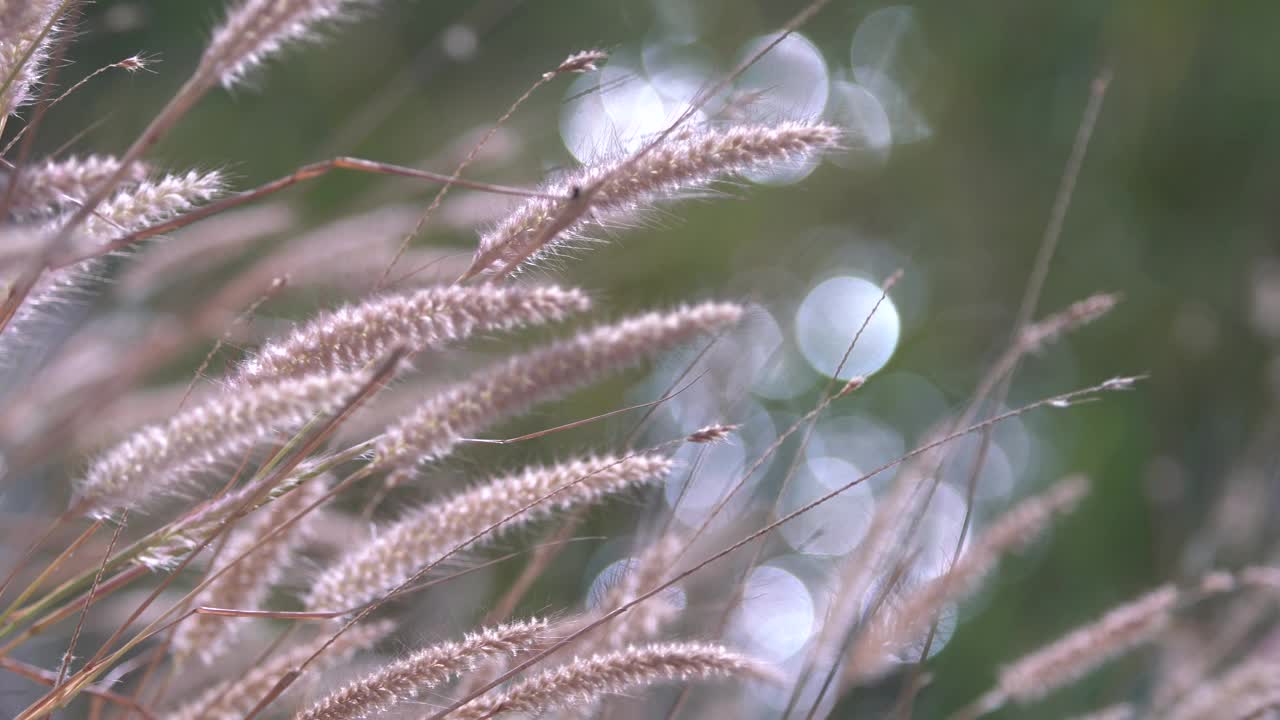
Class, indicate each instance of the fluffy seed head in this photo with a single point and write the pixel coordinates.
(644, 621)
(1078, 314)
(579, 62)
(1251, 689)
(256, 30)
(894, 628)
(585, 680)
(159, 457)
(513, 386)
(26, 29)
(1080, 651)
(148, 202)
(351, 337)
(180, 537)
(427, 534)
(233, 699)
(27, 337)
(685, 161)
(58, 184)
(248, 581)
(406, 679)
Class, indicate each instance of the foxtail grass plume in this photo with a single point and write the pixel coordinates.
(583, 61)
(1080, 313)
(1119, 711)
(52, 185)
(1077, 653)
(425, 535)
(643, 621)
(586, 680)
(894, 628)
(511, 387)
(27, 29)
(235, 698)
(205, 247)
(151, 201)
(625, 186)
(406, 679)
(158, 458)
(256, 30)
(248, 581)
(27, 338)
(186, 533)
(1251, 689)
(351, 337)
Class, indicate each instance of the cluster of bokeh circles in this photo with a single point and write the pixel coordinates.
(762, 374)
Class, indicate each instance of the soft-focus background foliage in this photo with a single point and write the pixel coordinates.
(1174, 209)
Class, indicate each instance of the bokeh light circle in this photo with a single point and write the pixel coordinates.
(836, 526)
(829, 318)
(776, 616)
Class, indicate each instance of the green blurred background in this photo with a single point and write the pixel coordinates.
(1174, 209)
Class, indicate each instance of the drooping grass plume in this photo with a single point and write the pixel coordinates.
(351, 337)
(1251, 689)
(234, 698)
(178, 538)
(203, 247)
(1072, 656)
(1036, 336)
(644, 621)
(51, 185)
(425, 535)
(247, 583)
(525, 380)
(892, 628)
(256, 30)
(27, 337)
(405, 680)
(352, 252)
(1119, 711)
(686, 161)
(586, 680)
(580, 62)
(158, 458)
(711, 434)
(27, 28)
(151, 201)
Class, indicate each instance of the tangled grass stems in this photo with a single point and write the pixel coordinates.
(255, 518)
(1119, 383)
